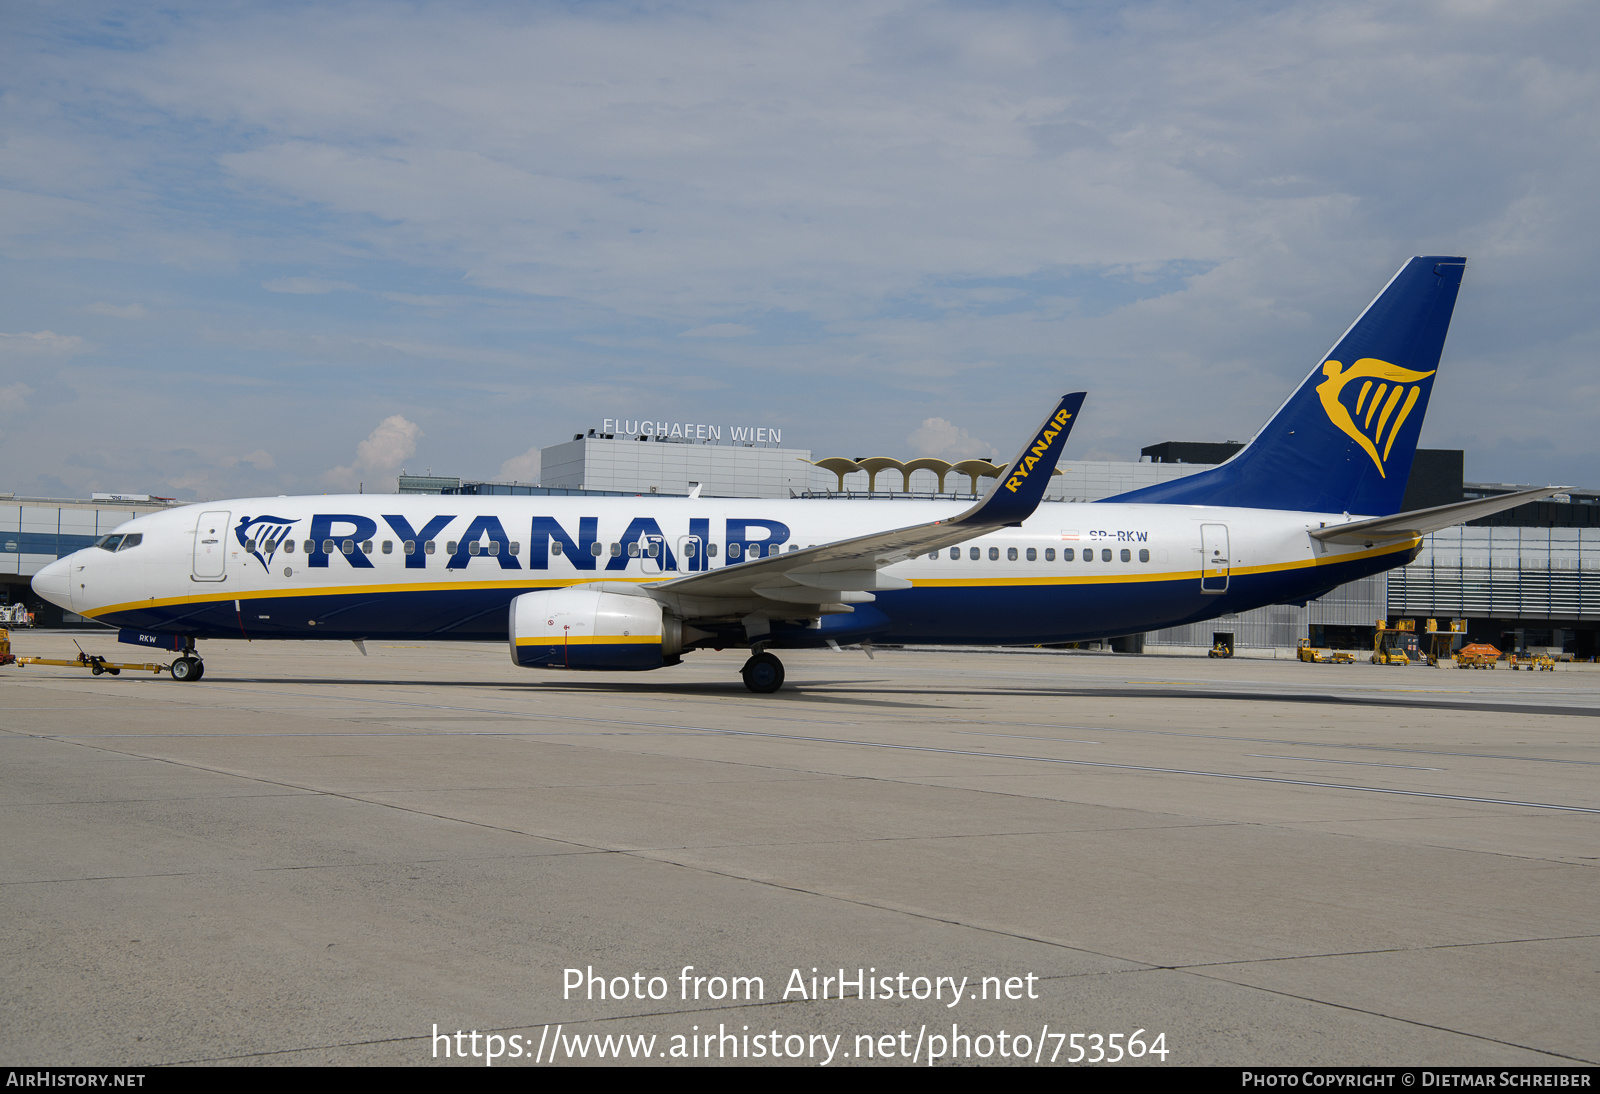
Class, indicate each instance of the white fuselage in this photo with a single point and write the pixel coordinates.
(357, 566)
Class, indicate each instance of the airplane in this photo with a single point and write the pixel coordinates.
(589, 583)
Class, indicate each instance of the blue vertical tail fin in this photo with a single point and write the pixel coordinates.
(1344, 441)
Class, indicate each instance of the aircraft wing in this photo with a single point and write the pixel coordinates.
(817, 575)
(1419, 522)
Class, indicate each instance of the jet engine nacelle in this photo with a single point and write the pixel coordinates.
(589, 628)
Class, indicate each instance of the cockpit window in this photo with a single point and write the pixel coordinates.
(133, 539)
(108, 543)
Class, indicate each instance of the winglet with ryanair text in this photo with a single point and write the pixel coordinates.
(1017, 493)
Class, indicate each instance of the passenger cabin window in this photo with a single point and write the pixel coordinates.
(288, 546)
(327, 547)
(688, 549)
(597, 549)
(653, 549)
(473, 548)
(427, 548)
(1049, 554)
(409, 546)
(494, 546)
(515, 546)
(633, 549)
(1144, 555)
(1127, 555)
(972, 553)
(616, 550)
(1011, 554)
(555, 547)
(366, 546)
(1068, 554)
(450, 546)
(711, 550)
(348, 547)
(994, 554)
(1105, 554)
(388, 546)
(250, 545)
(733, 550)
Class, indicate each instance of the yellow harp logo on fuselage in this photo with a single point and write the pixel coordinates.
(1385, 388)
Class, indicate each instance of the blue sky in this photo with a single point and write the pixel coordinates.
(283, 248)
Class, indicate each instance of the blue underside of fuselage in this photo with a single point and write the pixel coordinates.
(937, 615)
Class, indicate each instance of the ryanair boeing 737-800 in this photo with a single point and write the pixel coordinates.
(636, 583)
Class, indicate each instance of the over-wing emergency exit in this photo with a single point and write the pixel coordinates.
(638, 583)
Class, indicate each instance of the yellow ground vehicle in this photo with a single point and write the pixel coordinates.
(1440, 641)
(91, 661)
(1313, 656)
(1539, 663)
(1392, 645)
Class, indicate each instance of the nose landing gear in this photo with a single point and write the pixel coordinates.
(763, 674)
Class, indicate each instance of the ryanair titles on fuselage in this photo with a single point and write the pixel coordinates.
(354, 535)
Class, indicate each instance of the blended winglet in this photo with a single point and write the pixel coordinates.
(1017, 493)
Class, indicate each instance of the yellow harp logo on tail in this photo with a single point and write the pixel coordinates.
(1382, 404)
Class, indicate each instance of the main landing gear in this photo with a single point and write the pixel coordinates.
(188, 667)
(763, 674)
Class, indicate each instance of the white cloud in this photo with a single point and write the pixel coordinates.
(260, 459)
(388, 446)
(42, 343)
(937, 437)
(14, 399)
(381, 454)
(719, 330)
(523, 468)
(306, 286)
(116, 311)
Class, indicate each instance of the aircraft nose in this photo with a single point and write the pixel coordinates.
(54, 583)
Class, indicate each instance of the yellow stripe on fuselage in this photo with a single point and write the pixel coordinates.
(356, 590)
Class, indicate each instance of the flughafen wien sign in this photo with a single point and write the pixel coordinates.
(691, 431)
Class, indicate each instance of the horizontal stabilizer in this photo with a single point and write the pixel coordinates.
(1419, 522)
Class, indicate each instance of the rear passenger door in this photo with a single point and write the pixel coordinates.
(1214, 558)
